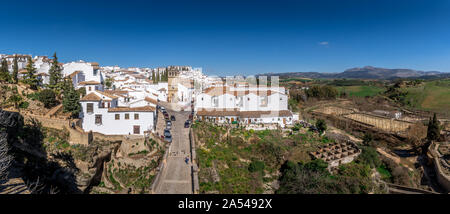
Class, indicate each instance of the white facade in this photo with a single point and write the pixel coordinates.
(90, 70)
(99, 116)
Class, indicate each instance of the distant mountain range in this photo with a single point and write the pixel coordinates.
(367, 72)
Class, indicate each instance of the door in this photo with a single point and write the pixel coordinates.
(136, 129)
(284, 121)
(232, 119)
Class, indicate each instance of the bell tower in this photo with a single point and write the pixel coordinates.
(172, 84)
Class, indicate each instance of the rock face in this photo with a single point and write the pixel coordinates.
(131, 167)
(8, 121)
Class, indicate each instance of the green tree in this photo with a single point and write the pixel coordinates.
(4, 73)
(15, 72)
(108, 82)
(153, 77)
(31, 78)
(367, 138)
(369, 156)
(321, 125)
(433, 131)
(55, 72)
(71, 100)
(48, 97)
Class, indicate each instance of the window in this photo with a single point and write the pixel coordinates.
(103, 105)
(117, 116)
(90, 108)
(89, 88)
(263, 101)
(109, 105)
(215, 101)
(98, 119)
(136, 116)
(127, 116)
(136, 130)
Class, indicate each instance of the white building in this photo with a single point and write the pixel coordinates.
(245, 105)
(90, 70)
(101, 113)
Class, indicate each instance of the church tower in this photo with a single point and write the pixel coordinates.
(172, 84)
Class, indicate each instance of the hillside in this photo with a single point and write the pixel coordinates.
(367, 72)
(432, 95)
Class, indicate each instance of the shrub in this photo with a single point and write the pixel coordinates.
(321, 125)
(256, 166)
(370, 157)
(24, 105)
(48, 97)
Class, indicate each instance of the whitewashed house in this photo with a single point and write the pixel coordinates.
(101, 113)
(260, 105)
(90, 70)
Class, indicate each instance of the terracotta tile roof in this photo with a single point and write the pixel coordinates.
(136, 109)
(89, 83)
(116, 92)
(148, 99)
(74, 73)
(107, 94)
(258, 114)
(217, 91)
(43, 74)
(91, 97)
(218, 112)
(243, 114)
(23, 71)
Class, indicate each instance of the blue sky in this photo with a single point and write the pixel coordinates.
(234, 36)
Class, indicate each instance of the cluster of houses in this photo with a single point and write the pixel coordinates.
(122, 101)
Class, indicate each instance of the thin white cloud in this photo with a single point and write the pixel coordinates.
(324, 43)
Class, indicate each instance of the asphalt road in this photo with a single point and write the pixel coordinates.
(176, 176)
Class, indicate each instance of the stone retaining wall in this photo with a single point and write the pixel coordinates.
(442, 178)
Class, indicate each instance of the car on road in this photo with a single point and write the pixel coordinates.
(168, 137)
(172, 118)
(166, 132)
(162, 108)
(168, 125)
(191, 117)
(187, 124)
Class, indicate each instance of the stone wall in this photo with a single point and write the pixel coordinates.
(442, 177)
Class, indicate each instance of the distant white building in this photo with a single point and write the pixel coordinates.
(90, 70)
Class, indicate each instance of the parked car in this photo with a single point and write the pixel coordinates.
(172, 118)
(162, 108)
(168, 138)
(187, 124)
(191, 117)
(166, 132)
(168, 125)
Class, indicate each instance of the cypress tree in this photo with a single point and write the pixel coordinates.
(71, 100)
(55, 73)
(153, 76)
(30, 77)
(4, 73)
(433, 132)
(15, 72)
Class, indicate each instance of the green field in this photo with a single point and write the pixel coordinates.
(432, 96)
(360, 90)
